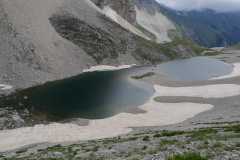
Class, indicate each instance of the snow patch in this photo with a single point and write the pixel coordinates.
(107, 68)
(209, 91)
(5, 87)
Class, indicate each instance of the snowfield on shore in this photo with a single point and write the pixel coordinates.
(209, 91)
(107, 68)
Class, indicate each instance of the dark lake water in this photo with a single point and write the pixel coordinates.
(102, 94)
(198, 68)
(92, 95)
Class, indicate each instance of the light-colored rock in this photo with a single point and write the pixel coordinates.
(109, 12)
(156, 23)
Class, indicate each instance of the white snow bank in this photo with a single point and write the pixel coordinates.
(109, 12)
(157, 24)
(107, 68)
(219, 49)
(235, 73)
(5, 87)
(209, 91)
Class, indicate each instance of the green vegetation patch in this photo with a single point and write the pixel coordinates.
(203, 134)
(187, 156)
(233, 128)
(171, 133)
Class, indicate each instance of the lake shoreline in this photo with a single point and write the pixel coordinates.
(168, 123)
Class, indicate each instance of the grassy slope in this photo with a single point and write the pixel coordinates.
(178, 48)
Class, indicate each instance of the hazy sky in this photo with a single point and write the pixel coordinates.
(218, 5)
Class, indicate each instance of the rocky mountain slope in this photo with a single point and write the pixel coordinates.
(201, 26)
(47, 40)
(207, 27)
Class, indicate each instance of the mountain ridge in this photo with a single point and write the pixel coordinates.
(206, 27)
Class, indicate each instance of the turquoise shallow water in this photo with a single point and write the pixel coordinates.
(198, 68)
